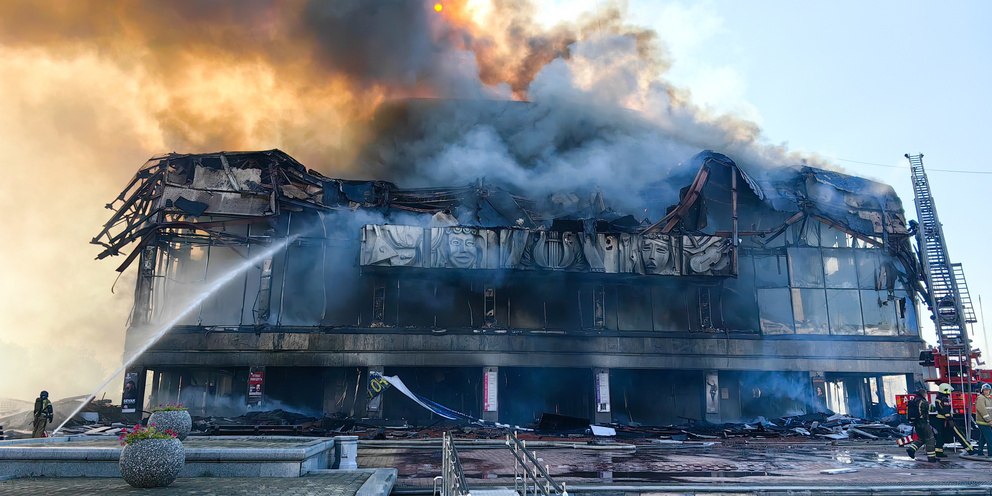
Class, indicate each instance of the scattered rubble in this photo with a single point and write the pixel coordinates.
(822, 426)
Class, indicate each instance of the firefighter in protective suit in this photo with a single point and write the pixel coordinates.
(943, 421)
(918, 412)
(42, 414)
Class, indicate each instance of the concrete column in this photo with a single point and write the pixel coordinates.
(373, 385)
(490, 394)
(601, 391)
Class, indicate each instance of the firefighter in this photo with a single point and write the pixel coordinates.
(943, 421)
(918, 412)
(983, 417)
(42, 414)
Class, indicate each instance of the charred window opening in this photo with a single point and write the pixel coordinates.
(378, 306)
(489, 306)
(526, 393)
(598, 307)
(457, 388)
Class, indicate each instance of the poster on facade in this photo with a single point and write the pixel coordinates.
(712, 388)
(490, 389)
(819, 393)
(602, 391)
(129, 397)
(256, 385)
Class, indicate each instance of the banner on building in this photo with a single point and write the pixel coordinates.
(602, 391)
(256, 385)
(377, 384)
(490, 389)
(129, 397)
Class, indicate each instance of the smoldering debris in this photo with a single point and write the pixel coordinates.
(814, 426)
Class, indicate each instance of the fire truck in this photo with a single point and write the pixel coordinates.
(955, 361)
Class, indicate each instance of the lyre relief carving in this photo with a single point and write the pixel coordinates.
(554, 250)
(707, 255)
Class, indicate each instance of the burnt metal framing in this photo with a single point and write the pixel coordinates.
(149, 225)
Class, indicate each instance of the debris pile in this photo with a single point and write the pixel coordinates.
(100, 417)
(95, 415)
(814, 426)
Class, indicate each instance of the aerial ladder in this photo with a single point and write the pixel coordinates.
(948, 300)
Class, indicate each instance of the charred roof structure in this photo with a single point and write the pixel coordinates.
(749, 295)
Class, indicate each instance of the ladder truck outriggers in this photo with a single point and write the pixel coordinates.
(946, 294)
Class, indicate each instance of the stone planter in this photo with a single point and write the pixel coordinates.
(152, 462)
(177, 420)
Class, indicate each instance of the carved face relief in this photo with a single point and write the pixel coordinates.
(656, 254)
(463, 250)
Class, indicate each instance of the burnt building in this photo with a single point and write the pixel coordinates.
(261, 283)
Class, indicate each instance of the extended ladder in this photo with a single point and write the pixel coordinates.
(942, 277)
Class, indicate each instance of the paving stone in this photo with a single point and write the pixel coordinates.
(345, 483)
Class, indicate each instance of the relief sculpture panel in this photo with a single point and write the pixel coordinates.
(460, 247)
(463, 248)
(707, 256)
(392, 246)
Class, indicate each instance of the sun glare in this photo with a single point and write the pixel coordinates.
(438, 7)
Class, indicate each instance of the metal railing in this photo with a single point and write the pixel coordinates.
(529, 476)
(451, 482)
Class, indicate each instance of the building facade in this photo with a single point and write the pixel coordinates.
(262, 284)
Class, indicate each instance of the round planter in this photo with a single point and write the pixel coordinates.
(152, 462)
(178, 420)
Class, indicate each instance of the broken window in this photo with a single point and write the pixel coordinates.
(739, 307)
(832, 238)
(418, 303)
(771, 271)
(223, 307)
(634, 308)
(805, 267)
(868, 267)
(805, 233)
(669, 309)
(302, 301)
(839, 269)
(775, 311)
(188, 266)
(879, 313)
(844, 310)
(810, 309)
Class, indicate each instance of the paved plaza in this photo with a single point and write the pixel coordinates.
(754, 467)
(739, 464)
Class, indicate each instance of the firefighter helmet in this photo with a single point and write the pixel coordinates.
(986, 386)
(946, 388)
(44, 394)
